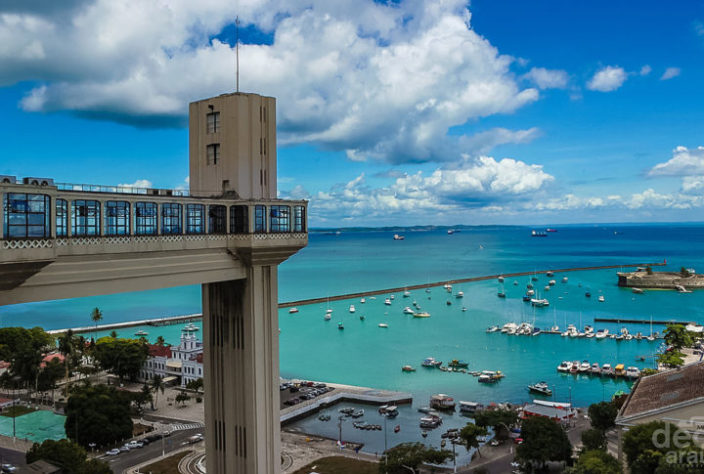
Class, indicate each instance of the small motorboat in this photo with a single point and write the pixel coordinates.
(408, 310)
(492, 329)
(551, 283)
(458, 364)
(564, 366)
(431, 362)
(328, 316)
(383, 325)
(501, 279)
(460, 294)
(564, 279)
(588, 295)
(501, 294)
(352, 308)
(397, 428)
(424, 434)
(387, 301)
(421, 315)
(141, 332)
(448, 302)
(595, 369)
(406, 294)
(340, 326)
(549, 274)
(363, 301)
(407, 368)
(601, 298)
(541, 388)
(292, 310)
(637, 291)
(361, 317)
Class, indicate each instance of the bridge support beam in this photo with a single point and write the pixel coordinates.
(241, 366)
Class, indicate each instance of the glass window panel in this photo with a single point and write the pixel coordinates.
(216, 219)
(280, 218)
(299, 219)
(61, 217)
(171, 219)
(145, 218)
(117, 218)
(195, 218)
(85, 218)
(27, 215)
(238, 220)
(260, 219)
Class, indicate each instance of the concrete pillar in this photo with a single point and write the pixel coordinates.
(241, 365)
(2, 216)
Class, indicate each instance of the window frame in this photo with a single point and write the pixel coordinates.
(260, 219)
(213, 127)
(122, 225)
(146, 218)
(299, 219)
(239, 222)
(217, 219)
(168, 217)
(91, 225)
(30, 216)
(195, 222)
(215, 158)
(279, 219)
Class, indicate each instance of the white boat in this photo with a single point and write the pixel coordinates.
(492, 329)
(551, 282)
(595, 370)
(362, 301)
(508, 327)
(539, 302)
(564, 366)
(469, 407)
(632, 372)
(555, 328)
(398, 237)
(602, 333)
(584, 366)
(459, 294)
(408, 310)
(530, 292)
(637, 291)
(564, 279)
(601, 298)
(292, 310)
(141, 332)
(383, 325)
(391, 297)
(352, 309)
(328, 316)
(406, 294)
(387, 302)
(448, 287)
(328, 311)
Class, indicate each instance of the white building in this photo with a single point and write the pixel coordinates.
(178, 365)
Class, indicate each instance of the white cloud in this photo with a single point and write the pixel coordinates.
(645, 70)
(684, 162)
(607, 79)
(140, 183)
(692, 184)
(547, 78)
(374, 80)
(669, 73)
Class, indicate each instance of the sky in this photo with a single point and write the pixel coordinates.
(389, 113)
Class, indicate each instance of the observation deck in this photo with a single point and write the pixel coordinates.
(66, 240)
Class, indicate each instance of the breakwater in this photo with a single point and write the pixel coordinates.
(455, 282)
(640, 321)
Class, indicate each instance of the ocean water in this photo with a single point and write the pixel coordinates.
(364, 354)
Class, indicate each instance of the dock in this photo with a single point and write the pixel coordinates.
(165, 321)
(344, 393)
(641, 321)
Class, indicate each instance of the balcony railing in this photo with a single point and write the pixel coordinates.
(99, 188)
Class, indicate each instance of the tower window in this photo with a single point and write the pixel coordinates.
(213, 154)
(213, 120)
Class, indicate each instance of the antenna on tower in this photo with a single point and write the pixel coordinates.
(237, 52)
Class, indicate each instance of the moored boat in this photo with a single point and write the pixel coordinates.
(632, 372)
(292, 310)
(469, 407)
(431, 362)
(408, 310)
(352, 308)
(441, 401)
(141, 332)
(492, 329)
(458, 364)
(383, 325)
(408, 368)
(564, 366)
(421, 315)
(541, 388)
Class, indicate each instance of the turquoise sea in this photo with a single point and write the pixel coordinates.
(364, 354)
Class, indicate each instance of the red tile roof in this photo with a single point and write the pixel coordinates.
(159, 351)
(665, 389)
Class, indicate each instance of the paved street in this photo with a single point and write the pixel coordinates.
(151, 451)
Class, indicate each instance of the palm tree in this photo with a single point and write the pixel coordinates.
(113, 334)
(157, 385)
(96, 316)
(160, 341)
(67, 348)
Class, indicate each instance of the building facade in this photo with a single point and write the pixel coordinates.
(177, 365)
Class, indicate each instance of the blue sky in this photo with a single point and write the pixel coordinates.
(403, 113)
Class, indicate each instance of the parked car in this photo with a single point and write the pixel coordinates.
(112, 452)
(124, 448)
(135, 444)
(9, 468)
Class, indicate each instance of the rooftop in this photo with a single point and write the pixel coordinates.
(662, 390)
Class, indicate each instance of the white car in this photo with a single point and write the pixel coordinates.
(135, 444)
(112, 452)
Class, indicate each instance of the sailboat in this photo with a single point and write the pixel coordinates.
(651, 337)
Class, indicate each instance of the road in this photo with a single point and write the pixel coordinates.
(151, 451)
(8, 456)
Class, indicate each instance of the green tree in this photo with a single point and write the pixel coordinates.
(98, 414)
(593, 439)
(122, 357)
(96, 316)
(67, 455)
(671, 359)
(543, 440)
(470, 434)
(49, 375)
(113, 334)
(407, 457)
(70, 346)
(677, 336)
(196, 384)
(157, 386)
(23, 349)
(182, 398)
(647, 371)
(595, 462)
(160, 341)
(603, 415)
(499, 420)
(143, 397)
(646, 446)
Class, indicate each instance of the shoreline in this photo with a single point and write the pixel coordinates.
(168, 320)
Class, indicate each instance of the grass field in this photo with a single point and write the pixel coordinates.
(340, 465)
(17, 410)
(167, 465)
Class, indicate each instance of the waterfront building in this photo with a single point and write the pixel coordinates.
(176, 365)
(228, 233)
(675, 396)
